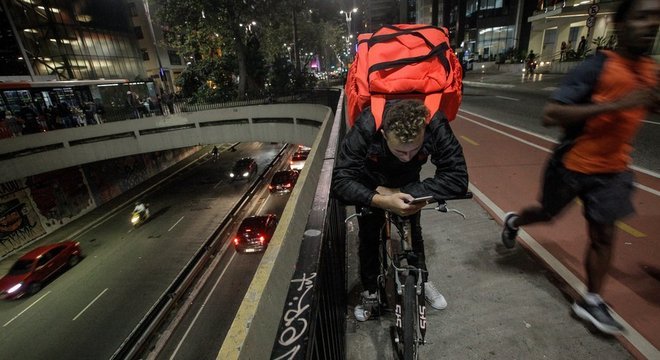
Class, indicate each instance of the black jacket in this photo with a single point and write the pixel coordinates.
(365, 162)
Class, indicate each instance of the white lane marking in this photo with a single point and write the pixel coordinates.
(201, 308)
(263, 205)
(651, 122)
(547, 138)
(26, 309)
(508, 135)
(637, 185)
(647, 189)
(90, 304)
(175, 224)
(632, 335)
(507, 98)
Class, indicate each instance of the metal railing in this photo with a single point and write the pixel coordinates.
(314, 317)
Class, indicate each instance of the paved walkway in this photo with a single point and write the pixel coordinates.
(515, 304)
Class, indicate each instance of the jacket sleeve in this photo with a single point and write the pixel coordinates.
(451, 177)
(346, 175)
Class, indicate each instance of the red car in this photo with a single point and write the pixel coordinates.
(255, 232)
(283, 181)
(33, 269)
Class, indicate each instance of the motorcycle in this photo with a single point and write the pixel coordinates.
(531, 66)
(139, 217)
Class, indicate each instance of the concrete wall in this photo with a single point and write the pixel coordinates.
(38, 153)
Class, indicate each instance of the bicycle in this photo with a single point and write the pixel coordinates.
(396, 260)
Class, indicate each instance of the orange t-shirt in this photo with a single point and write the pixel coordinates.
(604, 146)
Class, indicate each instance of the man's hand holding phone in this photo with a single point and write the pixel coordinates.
(401, 203)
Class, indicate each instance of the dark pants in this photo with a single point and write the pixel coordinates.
(369, 236)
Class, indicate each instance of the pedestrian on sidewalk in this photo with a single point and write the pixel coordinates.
(600, 106)
(582, 46)
(379, 168)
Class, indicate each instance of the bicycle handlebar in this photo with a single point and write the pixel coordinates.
(441, 207)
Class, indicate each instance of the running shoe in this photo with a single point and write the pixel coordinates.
(599, 316)
(433, 296)
(509, 233)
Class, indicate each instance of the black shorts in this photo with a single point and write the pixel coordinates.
(606, 197)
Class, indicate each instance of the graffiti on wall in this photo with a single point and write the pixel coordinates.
(60, 195)
(19, 222)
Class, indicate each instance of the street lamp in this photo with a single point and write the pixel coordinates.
(248, 26)
(348, 15)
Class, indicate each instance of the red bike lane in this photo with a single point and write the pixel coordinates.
(505, 166)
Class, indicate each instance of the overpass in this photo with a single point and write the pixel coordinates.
(288, 257)
(34, 154)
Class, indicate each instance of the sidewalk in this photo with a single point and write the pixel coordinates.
(491, 78)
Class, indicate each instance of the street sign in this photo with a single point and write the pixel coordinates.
(591, 20)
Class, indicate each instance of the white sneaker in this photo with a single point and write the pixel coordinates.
(363, 311)
(433, 296)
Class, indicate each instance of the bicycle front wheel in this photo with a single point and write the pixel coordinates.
(409, 313)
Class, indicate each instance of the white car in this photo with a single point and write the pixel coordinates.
(298, 160)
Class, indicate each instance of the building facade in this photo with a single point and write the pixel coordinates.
(162, 64)
(554, 22)
(66, 40)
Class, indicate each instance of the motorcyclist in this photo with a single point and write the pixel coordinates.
(141, 208)
(531, 61)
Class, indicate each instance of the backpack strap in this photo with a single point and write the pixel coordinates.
(377, 109)
(431, 101)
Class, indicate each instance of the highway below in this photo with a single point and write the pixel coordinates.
(89, 310)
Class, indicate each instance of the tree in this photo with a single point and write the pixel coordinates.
(202, 29)
(253, 32)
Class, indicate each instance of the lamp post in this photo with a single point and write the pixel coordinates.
(348, 15)
(161, 72)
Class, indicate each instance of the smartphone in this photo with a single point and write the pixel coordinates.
(421, 200)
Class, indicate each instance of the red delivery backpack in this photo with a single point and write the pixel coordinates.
(404, 61)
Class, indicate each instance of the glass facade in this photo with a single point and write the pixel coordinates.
(495, 41)
(77, 39)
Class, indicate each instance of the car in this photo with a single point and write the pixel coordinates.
(31, 271)
(244, 168)
(283, 181)
(255, 233)
(298, 159)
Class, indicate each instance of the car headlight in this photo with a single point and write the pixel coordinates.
(15, 288)
(246, 174)
(231, 174)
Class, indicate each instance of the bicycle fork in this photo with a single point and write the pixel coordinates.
(420, 302)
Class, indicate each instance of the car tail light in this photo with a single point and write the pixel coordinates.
(235, 241)
(287, 185)
(262, 240)
(270, 187)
